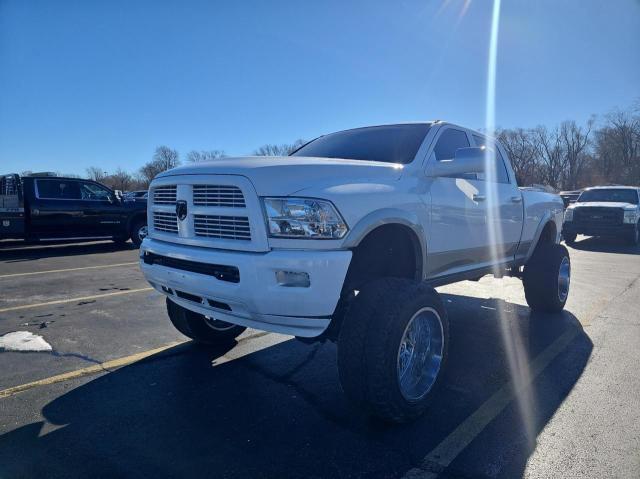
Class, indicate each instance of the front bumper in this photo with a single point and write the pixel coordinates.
(256, 300)
(621, 229)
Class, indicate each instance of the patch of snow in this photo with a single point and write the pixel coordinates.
(23, 341)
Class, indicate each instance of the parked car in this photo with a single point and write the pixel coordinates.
(569, 197)
(345, 240)
(137, 195)
(47, 208)
(604, 211)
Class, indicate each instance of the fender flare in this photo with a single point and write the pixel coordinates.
(389, 216)
(546, 219)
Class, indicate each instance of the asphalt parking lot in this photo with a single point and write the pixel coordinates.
(121, 393)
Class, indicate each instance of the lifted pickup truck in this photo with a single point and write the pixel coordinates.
(604, 211)
(345, 240)
(51, 208)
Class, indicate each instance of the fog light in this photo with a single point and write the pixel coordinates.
(292, 279)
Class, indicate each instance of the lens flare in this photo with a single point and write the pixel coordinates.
(512, 340)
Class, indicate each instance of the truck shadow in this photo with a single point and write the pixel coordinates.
(16, 251)
(279, 411)
(605, 245)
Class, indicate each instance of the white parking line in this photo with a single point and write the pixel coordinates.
(14, 275)
(444, 453)
(71, 300)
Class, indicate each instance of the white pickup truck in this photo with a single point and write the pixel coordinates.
(345, 239)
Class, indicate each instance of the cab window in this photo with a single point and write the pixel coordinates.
(501, 170)
(449, 142)
(93, 191)
(58, 189)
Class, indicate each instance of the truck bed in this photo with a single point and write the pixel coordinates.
(12, 213)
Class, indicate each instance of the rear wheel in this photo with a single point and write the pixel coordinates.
(201, 328)
(547, 277)
(392, 348)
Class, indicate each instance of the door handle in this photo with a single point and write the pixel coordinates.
(479, 198)
(516, 199)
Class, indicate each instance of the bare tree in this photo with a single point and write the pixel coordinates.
(575, 141)
(552, 155)
(523, 152)
(205, 155)
(164, 159)
(618, 147)
(121, 180)
(279, 150)
(96, 174)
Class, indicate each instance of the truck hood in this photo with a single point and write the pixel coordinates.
(601, 204)
(284, 175)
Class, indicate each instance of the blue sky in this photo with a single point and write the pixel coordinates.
(86, 83)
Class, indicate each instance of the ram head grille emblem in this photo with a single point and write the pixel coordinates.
(181, 210)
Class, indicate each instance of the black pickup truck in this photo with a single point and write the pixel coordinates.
(51, 208)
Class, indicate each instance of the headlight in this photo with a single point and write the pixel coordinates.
(568, 214)
(304, 218)
(630, 216)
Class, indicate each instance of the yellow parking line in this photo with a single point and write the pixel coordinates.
(98, 368)
(71, 300)
(242, 349)
(13, 275)
(445, 452)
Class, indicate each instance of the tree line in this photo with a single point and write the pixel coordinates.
(571, 156)
(565, 157)
(165, 158)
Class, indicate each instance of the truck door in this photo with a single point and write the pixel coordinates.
(505, 200)
(56, 210)
(458, 233)
(104, 213)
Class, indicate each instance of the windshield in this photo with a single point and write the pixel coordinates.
(614, 195)
(390, 143)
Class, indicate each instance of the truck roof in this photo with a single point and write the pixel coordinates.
(617, 187)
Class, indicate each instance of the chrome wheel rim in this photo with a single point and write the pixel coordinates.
(142, 232)
(420, 354)
(564, 279)
(217, 324)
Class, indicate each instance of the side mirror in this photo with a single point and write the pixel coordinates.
(467, 160)
(118, 195)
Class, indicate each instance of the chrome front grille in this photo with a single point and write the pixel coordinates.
(223, 211)
(164, 195)
(166, 222)
(222, 227)
(218, 195)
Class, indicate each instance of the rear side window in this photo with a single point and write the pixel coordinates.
(501, 170)
(449, 142)
(58, 189)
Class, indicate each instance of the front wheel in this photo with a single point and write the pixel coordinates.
(139, 232)
(547, 277)
(392, 348)
(569, 238)
(634, 236)
(201, 328)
